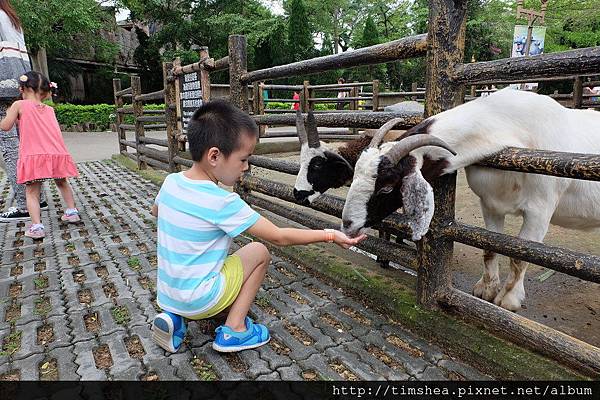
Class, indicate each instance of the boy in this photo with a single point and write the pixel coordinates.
(197, 221)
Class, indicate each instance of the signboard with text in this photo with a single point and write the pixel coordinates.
(538, 38)
(190, 95)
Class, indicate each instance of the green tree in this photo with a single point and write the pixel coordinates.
(61, 26)
(369, 37)
(300, 40)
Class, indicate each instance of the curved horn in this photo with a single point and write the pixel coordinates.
(406, 145)
(311, 130)
(378, 136)
(300, 128)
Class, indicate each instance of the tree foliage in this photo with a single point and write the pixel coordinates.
(65, 27)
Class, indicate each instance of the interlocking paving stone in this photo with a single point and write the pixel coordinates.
(318, 332)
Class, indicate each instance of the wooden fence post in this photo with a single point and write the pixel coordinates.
(445, 49)
(261, 107)
(578, 92)
(375, 100)
(204, 76)
(304, 103)
(238, 90)
(171, 100)
(413, 88)
(119, 115)
(138, 111)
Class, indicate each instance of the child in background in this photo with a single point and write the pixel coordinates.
(42, 151)
(197, 221)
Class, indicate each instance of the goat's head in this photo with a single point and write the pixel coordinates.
(320, 168)
(386, 178)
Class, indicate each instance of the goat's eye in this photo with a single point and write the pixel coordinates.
(386, 190)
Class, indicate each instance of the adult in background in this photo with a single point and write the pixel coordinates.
(341, 94)
(14, 62)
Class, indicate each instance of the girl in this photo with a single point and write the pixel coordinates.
(42, 151)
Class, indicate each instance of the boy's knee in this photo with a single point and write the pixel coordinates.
(260, 250)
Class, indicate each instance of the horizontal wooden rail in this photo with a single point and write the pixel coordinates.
(340, 86)
(564, 63)
(183, 161)
(542, 338)
(365, 119)
(158, 95)
(128, 143)
(154, 153)
(553, 163)
(123, 92)
(282, 87)
(409, 47)
(125, 110)
(337, 99)
(580, 265)
(155, 163)
(155, 127)
(401, 94)
(281, 100)
(159, 142)
(208, 64)
(150, 118)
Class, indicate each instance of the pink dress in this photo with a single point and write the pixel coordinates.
(42, 150)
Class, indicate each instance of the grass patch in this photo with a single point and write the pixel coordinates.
(134, 263)
(120, 315)
(11, 344)
(204, 370)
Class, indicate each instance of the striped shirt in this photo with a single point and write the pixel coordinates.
(197, 220)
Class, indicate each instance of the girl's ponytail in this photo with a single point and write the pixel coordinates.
(36, 82)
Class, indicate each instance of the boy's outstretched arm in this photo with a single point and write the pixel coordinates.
(266, 230)
(11, 117)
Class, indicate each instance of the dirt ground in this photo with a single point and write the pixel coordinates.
(568, 304)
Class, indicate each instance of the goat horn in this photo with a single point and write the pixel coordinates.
(406, 145)
(311, 130)
(385, 128)
(300, 128)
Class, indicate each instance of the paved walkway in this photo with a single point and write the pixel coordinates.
(78, 305)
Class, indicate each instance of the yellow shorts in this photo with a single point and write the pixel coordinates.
(234, 277)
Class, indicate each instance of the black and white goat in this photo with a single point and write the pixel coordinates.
(322, 168)
(396, 175)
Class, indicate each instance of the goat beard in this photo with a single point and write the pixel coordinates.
(418, 203)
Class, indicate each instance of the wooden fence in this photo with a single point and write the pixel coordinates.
(447, 79)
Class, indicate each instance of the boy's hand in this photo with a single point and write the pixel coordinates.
(344, 241)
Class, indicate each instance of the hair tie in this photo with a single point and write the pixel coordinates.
(23, 78)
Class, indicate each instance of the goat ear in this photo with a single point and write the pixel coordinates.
(417, 197)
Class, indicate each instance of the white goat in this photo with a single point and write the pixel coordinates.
(391, 176)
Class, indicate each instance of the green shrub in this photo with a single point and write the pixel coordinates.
(97, 116)
(288, 106)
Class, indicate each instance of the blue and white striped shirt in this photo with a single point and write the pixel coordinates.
(197, 220)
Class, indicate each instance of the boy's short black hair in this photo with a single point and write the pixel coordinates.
(218, 124)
